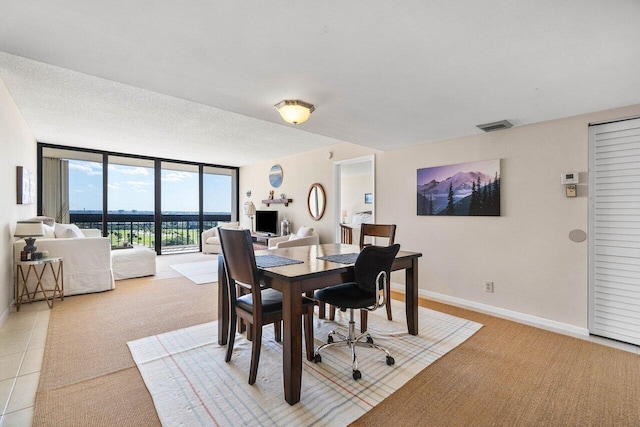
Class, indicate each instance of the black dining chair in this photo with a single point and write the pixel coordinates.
(367, 292)
(257, 305)
(387, 231)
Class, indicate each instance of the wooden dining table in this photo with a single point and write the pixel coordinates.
(304, 278)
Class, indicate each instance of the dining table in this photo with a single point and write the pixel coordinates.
(304, 277)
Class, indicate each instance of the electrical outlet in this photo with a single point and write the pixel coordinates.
(488, 286)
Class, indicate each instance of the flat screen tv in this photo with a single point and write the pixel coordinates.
(267, 222)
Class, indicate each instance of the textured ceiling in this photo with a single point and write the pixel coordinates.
(203, 76)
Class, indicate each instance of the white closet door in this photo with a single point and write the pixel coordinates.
(614, 222)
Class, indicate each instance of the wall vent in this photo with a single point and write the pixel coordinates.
(490, 127)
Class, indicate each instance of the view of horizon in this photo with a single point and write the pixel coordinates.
(131, 189)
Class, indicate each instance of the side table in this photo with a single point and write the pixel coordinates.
(24, 269)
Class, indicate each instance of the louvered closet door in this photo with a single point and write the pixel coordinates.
(614, 221)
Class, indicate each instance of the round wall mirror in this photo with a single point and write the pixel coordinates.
(316, 201)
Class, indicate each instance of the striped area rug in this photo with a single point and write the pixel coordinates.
(199, 272)
(191, 384)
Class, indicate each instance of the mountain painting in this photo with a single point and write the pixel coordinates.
(465, 189)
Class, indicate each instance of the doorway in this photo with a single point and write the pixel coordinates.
(354, 198)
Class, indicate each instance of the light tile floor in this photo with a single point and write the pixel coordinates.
(22, 338)
(23, 335)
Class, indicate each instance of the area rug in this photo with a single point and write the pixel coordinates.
(191, 384)
(200, 272)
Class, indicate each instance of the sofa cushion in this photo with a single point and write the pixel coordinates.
(67, 231)
(213, 241)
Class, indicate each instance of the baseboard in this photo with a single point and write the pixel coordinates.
(527, 319)
(5, 314)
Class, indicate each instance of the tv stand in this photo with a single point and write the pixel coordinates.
(261, 238)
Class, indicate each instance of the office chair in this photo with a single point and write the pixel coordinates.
(257, 305)
(367, 292)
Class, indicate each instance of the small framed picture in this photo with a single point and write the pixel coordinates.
(368, 198)
(26, 187)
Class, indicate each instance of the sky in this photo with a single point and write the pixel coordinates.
(131, 188)
(440, 173)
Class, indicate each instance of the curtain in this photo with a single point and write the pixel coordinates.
(55, 189)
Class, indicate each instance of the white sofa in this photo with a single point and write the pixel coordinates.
(304, 237)
(211, 241)
(87, 261)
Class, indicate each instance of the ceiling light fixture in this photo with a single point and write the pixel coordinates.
(295, 111)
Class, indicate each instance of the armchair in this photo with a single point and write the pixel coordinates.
(304, 237)
(210, 239)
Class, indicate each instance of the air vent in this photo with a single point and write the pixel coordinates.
(490, 127)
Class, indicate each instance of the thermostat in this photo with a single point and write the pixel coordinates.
(569, 178)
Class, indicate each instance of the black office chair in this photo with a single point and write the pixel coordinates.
(257, 305)
(372, 269)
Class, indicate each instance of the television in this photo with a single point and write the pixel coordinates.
(267, 222)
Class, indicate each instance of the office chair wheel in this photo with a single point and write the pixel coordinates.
(391, 361)
(317, 358)
(330, 339)
(369, 340)
(357, 375)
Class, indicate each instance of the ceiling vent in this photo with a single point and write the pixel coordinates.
(490, 127)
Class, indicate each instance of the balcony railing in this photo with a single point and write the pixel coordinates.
(179, 232)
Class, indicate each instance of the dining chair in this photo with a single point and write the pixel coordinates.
(260, 305)
(387, 231)
(368, 291)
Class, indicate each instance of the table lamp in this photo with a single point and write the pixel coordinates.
(29, 230)
(250, 211)
(344, 216)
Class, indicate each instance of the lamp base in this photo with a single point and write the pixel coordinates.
(30, 247)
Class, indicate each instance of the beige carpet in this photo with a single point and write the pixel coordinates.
(507, 374)
(192, 385)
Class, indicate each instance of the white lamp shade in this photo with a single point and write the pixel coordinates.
(29, 229)
(249, 209)
(295, 111)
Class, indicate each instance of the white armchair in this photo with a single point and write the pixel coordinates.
(210, 239)
(304, 237)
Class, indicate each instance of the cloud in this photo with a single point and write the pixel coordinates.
(130, 170)
(176, 176)
(89, 168)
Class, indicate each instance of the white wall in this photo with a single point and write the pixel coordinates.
(526, 251)
(300, 172)
(537, 271)
(352, 193)
(18, 148)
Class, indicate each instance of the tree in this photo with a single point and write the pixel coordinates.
(450, 208)
(430, 212)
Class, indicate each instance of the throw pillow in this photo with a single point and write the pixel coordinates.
(67, 231)
(304, 231)
(49, 232)
(45, 220)
(230, 225)
(293, 237)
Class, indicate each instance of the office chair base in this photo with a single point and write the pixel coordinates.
(352, 340)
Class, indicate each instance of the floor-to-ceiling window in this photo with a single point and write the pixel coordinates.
(135, 200)
(180, 207)
(131, 201)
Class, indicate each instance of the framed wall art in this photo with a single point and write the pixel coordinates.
(368, 198)
(465, 189)
(26, 187)
(275, 176)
